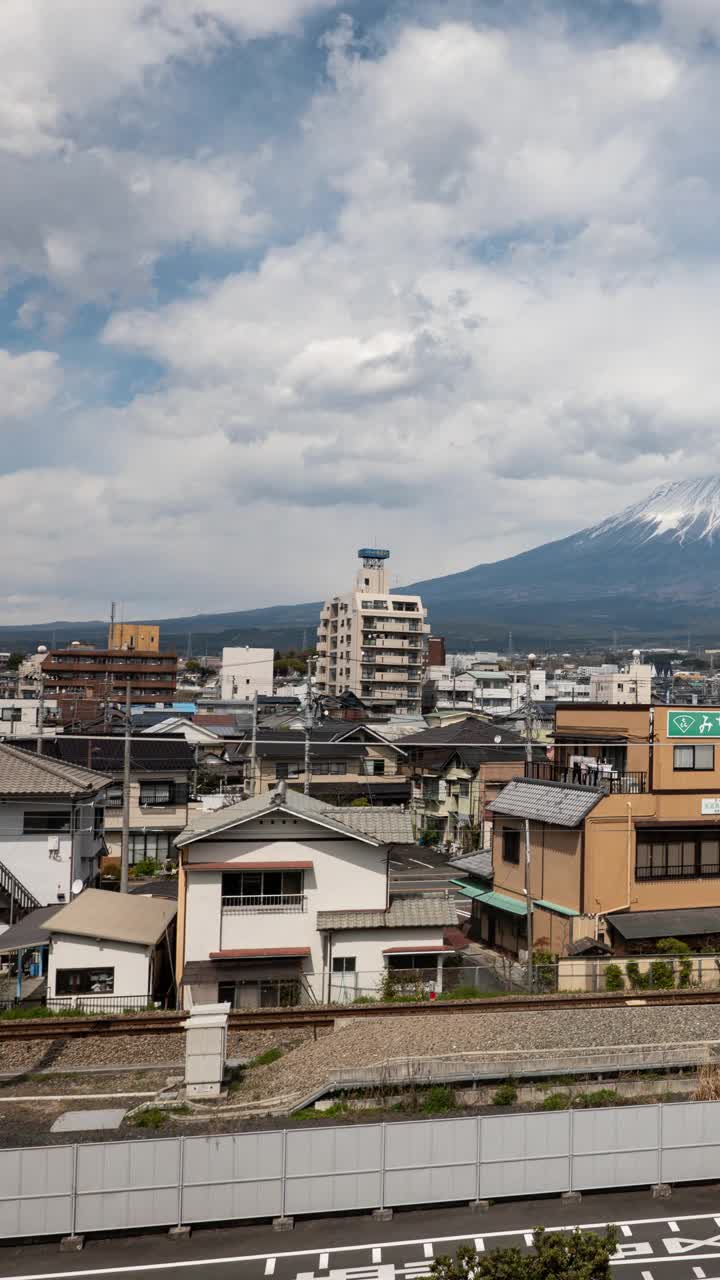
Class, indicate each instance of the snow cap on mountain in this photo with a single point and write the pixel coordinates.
(687, 510)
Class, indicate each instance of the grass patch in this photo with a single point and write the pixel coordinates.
(600, 1098)
(183, 1109)
(150, 1118)
(309, 1113)
(438, 1099)
(468, 992)
(264, 1059)
(22, 1012)
(556, 1102)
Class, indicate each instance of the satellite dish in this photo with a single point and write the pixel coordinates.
(497, 738)
(77, 887)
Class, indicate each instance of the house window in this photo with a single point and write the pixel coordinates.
(263, 890)
(150, 844)
(676, 856)
(288, 770)
(114, 796)
(511, 846)
(412, 962)
(463, 787)
(343, 964)
(11, 713)
(45, 821)
(83, 982)
(375, 768)
(701, 757)
(156, 794)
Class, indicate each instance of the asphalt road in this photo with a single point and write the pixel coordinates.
(676, 1239)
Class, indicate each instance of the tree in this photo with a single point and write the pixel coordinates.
(15, 661)
(556, 1255)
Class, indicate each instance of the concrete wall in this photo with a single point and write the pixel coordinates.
(46, 864)
(245, 672)
(130, 961)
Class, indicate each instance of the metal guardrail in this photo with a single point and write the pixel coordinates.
(445, 1068)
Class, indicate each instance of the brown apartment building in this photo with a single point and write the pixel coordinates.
(82, 673)
(624, 824)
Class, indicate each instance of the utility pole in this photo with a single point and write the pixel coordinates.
(125, 838)
(253, 746)
(41, 714)
(308, 726)
(528, 769)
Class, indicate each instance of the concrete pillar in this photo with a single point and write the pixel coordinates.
(205, 1049)
(439, 977)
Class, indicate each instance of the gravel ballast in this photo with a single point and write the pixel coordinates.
(373, 1041)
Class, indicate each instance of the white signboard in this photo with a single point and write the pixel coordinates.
(711, 805)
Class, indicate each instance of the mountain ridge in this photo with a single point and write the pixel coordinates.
(649, 572)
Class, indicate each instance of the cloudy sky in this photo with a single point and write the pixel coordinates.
(283, 277)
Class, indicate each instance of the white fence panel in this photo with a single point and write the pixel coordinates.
(127, 1184)
(691, 1141)
(333, 1169)
(36, 1191)
(524, 1155)
(431, 1160)
(615, 1147)
(234, 1176)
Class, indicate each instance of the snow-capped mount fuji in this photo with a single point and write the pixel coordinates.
(687, 510)
(653, 570)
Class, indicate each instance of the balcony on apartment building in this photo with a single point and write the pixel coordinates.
(597, 774)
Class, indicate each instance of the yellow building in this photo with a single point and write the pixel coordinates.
(142, 636)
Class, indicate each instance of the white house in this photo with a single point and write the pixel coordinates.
(245, 672)
(19, 717)
(111, 950)
(283, 898)
(51, 829)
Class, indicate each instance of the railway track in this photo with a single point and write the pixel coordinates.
(325, 1018)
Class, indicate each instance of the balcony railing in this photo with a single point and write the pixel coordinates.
(245, 904)
(615, 783)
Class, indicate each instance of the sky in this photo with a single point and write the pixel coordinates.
(283, 278)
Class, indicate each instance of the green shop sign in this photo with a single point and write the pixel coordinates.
(693, 724)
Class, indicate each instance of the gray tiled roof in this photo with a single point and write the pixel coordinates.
(476, 864)
(23, 773)
(381, 825)
(404, 913)
(547, 802)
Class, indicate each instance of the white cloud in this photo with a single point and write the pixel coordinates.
(28, 383)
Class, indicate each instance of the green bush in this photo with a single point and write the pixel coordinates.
(614, 979)
(556, 1102)
(150, 1118)
(599, 1098)
(439, 1098)
(467, 992)
(145, 867)
(685, 967)
(544, 971)
(638, 981)
(672, 947)
(505, 1094)
(662, 974)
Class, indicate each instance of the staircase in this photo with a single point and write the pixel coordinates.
(12, 891)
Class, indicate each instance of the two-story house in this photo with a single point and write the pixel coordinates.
(160, 772)
(51, 830)
(283, 898)
(456, 769)
(624, 826)
(347, 762)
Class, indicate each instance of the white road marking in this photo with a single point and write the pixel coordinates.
(234, 1259)
(377, 1254)
(428, 1249)
(673, 1226)
(646, 1275)
(715, 1220)
(323, 1262)
(626, 1229)
(270, 1266)
(698, 1273)
(529, 1237)
(421, 864)
(479, 1244)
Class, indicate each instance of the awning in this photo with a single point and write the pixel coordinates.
(248, 866)
(263, 953)
(488, 898)
(413, 951)
(29, 933)
(212, 971)
(554, 907)
(687, 922)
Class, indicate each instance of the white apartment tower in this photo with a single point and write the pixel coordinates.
(373, 643)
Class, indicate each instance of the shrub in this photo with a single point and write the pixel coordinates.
(505, 1094)
(662, 974)
(544, 971)
(638, 981)
(466, 992)
(145, 867)
(614, 979)
(599, 1098)
(439, 1098)
(685, 967)
(556, 1102)
(672, 947)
